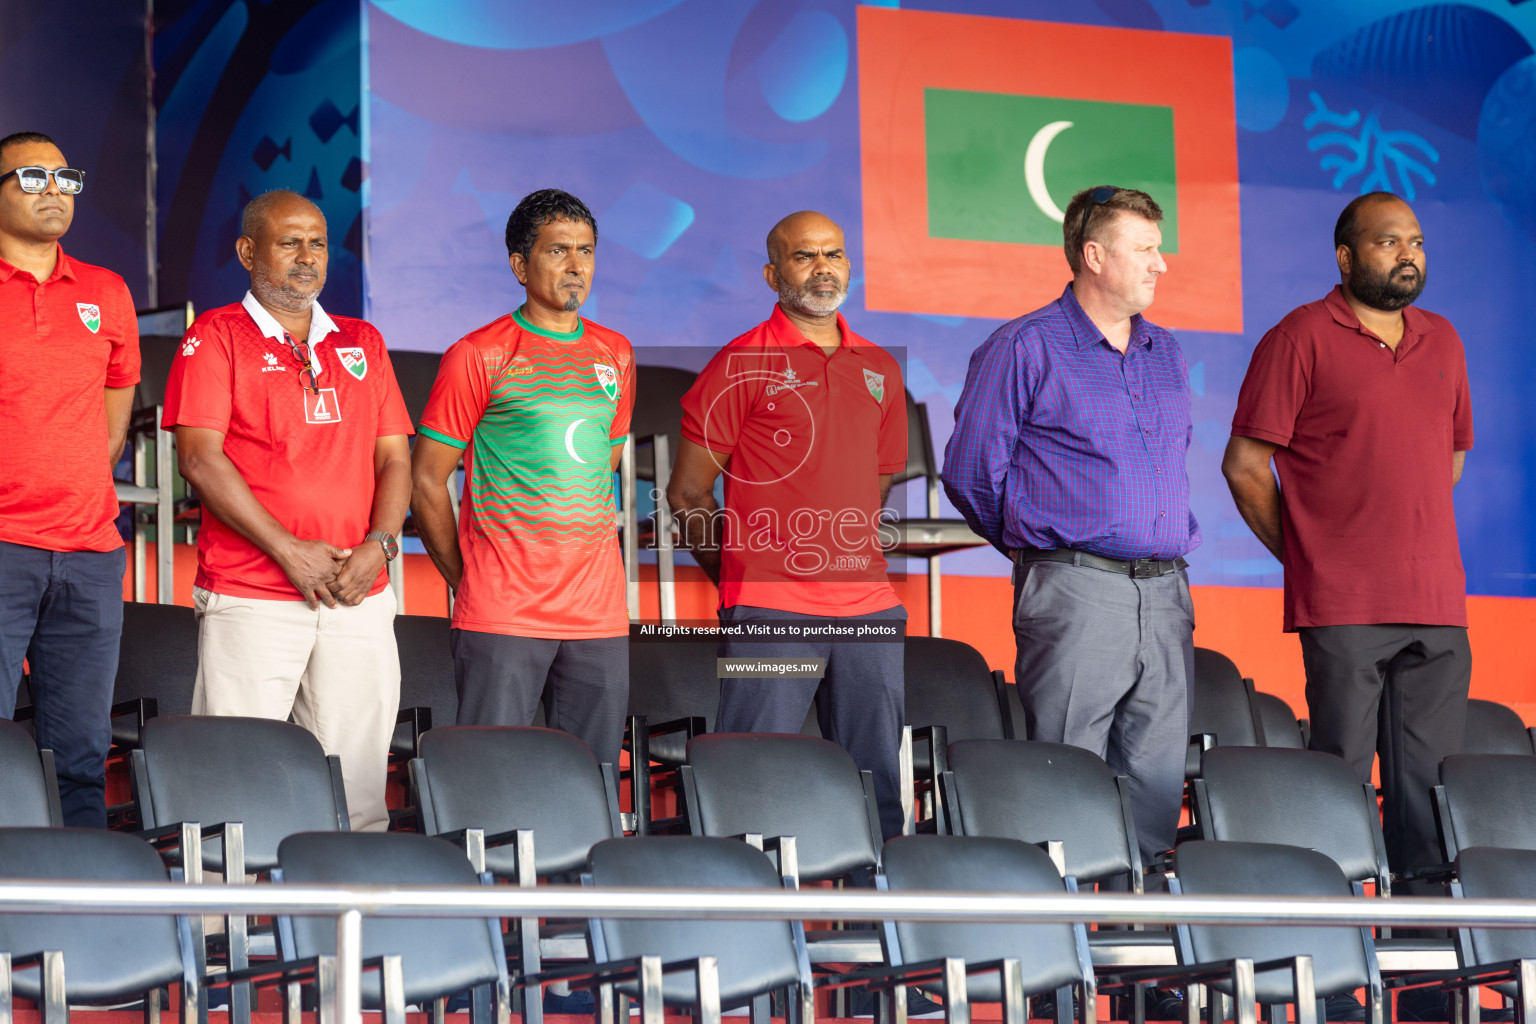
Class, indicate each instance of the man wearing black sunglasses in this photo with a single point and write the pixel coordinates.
(291, 427)
(69, 358)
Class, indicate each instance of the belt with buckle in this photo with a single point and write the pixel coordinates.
(1136, 569)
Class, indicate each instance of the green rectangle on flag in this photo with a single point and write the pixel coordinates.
(1002, 167)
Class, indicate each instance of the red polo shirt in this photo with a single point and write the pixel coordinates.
(307, 458)
(1366, 436)
(61, 343)
(808, 437)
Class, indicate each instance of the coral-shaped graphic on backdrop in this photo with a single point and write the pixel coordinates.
(1381, 153)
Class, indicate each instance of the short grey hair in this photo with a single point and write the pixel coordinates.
(256, 210)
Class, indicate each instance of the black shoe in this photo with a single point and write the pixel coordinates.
(1344, 1007)
(1043, 1006)
(579, 1002)
(861, 1003)
(1428, 1004)
(1164, 1004)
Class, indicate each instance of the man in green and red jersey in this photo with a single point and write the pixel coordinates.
(69, 358)
(808, 421)
(291, 427)
(537, 404)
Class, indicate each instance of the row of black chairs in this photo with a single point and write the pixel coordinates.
(547, 784)
(715, 965)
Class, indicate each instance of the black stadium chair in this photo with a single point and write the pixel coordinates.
(777, 786)
(1342, 959)
(1493, 728)
(271, 776)
(951, 695)
(1295, 797)
(1487, 800)
(1037, 792)
(750, 959)
(1041, 792)
(1310, 799)
(1223, 711)
(1281, 727)
(429, 697)
(540, 802)
(674, 693)
(505, 778)
(1502, 958)
(29, 785)
(415, 372)
(1043, 958)
(105, 957)
(156, 667)
(246, 783)
(438, 957)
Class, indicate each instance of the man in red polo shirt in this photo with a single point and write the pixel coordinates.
(808, 421)
(291, 427)
(1361, 400)
(69, 358)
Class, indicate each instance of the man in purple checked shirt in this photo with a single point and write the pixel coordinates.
(1068, 455)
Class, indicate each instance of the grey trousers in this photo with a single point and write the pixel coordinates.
(1400, 690)
(584, 684)
(1106, 662)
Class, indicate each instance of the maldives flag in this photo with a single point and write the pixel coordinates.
(977, 131)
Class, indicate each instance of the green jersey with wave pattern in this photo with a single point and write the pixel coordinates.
(539, 414)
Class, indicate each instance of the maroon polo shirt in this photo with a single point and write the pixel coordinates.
(1366, 436)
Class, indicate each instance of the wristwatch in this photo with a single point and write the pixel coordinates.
(391, 546)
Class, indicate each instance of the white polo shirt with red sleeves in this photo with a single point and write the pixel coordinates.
(808, 437)
(65, 339)
(307, 457)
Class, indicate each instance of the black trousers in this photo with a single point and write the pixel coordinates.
(863, 695)
(584, 684)
(1399, 691)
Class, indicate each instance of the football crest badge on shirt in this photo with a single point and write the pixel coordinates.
(876, 384)
(355, 360)
(90, 315)
(607, 379)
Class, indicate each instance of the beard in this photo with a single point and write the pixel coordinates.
(1388, 291)
(806, 302)
(282, 295)
(572, 302)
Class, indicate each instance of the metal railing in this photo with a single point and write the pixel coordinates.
(349, 904)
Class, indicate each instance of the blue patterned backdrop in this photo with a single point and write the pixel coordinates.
(690, 126)
(253, 95)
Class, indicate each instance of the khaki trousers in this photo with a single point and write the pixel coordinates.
(335, 670)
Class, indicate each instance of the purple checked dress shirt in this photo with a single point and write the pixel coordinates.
(1062, 442)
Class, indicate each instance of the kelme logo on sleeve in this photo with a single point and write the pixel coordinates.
(355, 360)
(977, 131)
(90, 315)
(607, 379)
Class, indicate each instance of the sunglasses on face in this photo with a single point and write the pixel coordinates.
(35, 179)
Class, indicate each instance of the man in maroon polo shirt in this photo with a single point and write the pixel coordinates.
(1361, 399)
